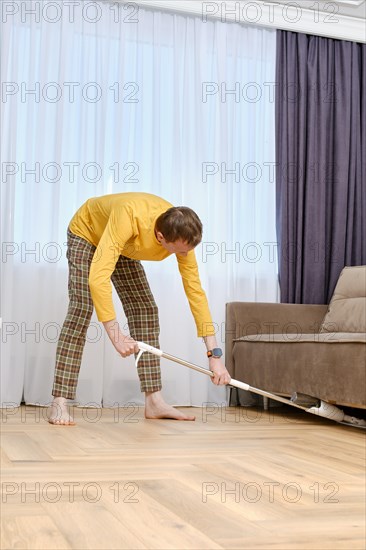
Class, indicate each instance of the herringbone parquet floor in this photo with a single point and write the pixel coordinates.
(235, 478)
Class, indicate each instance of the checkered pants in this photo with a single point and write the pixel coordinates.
(138, 303)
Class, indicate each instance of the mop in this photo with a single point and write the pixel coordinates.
(306, 403)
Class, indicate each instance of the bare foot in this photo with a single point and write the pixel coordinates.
(59, 414)
(155, 407)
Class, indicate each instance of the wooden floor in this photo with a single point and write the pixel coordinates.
(235, 478)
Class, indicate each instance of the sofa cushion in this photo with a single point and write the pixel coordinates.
(324, 338)
(347, 308)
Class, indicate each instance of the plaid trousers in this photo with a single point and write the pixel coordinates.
(129, 280)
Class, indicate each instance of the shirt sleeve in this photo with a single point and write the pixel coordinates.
(197, 299)
(118, 231)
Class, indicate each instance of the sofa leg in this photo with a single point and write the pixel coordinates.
(265, 403)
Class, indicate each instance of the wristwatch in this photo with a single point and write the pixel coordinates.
(215, 352)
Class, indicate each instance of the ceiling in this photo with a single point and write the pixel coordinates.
(338, 19)
(352, 8)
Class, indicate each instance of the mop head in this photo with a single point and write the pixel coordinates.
(354, 421)
(314, 405)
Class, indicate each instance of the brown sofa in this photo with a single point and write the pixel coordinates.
(317, 350)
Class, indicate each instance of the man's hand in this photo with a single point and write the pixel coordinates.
(222, 376)
(124, 345)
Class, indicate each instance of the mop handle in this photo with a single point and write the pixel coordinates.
(235, 383)
(155, 351)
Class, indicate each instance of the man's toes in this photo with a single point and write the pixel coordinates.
(61, 422)
(183, 416)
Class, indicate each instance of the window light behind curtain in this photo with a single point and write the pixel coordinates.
(165, 123)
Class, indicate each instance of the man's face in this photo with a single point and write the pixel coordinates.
(179, 247)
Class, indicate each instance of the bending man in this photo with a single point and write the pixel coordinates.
(107, 239)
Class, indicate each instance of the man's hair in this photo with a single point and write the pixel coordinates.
(180, 223)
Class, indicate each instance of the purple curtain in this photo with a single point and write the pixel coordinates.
(321, 163)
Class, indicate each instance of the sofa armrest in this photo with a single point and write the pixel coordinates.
(245, 318)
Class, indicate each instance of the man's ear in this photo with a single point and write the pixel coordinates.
(159, 236)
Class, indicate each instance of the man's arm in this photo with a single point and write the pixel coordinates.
(117, 232)
(199, 306)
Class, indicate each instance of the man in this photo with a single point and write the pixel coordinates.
(107, 238)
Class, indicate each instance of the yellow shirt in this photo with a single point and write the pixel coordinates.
(123, 224)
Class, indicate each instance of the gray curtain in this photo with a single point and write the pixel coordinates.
(321, 166)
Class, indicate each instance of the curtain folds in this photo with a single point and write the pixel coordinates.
(321, 163)
(132, 103)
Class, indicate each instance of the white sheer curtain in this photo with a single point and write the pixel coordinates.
(165, 122)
